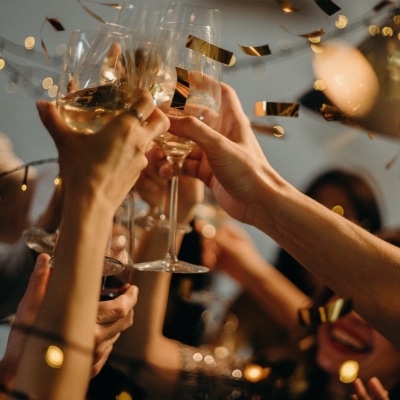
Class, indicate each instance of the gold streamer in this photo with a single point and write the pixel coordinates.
(327, 6)
(264, 108)
(210, 50)
(256, 50)
(331, 312)
(181, 90)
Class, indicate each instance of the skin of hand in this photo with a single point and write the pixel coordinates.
(113, 317)
(232, 164)
(375, 390)
(75, 155)
(97, 172)
(26, 313)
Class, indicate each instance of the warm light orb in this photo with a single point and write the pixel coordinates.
(123, 396)
(2, 64)
(351, 83)
(348, 371)
(54, 357)
(29, 42)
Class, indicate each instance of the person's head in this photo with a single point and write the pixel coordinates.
(351, 338)
(352, 192)
(14, 202)
(335, 187)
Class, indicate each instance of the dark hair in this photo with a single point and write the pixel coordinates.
(364, 204)
(358, 191)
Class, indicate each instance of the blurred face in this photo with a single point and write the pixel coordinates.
(331, 196)
(351, 338)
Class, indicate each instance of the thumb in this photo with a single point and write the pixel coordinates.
(52, 120)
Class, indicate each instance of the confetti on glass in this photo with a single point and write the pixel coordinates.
(256, 50)
(267, 108)
(276, 131)
(211, 51)
(327, 6)
(91, 13)
(382, 5)
(181, 90)
(331, 312)
(57, 26)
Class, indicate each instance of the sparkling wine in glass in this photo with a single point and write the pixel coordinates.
(97, 84)
(186, 82)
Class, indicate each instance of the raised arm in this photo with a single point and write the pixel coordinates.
(97, 171)
(351, 261)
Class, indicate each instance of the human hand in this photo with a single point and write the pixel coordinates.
(231, 250)
(113, 317)
(230, 162)
(112, 158)
(375, 390)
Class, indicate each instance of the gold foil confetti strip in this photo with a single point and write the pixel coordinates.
(91, 13)
(181, 90)
(264, 108)
(327, 6)
(256, 50)
(287, 7)
(332, 113)
(331, 312)
(314, 34)
(210, 50)
(382, 5)
(57, 26)
(268, 129)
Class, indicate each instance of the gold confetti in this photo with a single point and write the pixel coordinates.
(181, 90)
(256, 50)
(327, 6)
(211, 51)
(264, 108)
(331, 312)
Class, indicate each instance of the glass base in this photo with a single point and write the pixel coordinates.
(175, 267)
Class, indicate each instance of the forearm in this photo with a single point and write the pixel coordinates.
(276, 294)
(68, 314)
(351, 261)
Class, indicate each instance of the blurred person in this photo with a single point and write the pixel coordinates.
(333, 188)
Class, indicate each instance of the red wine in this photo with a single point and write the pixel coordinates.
(112, 286)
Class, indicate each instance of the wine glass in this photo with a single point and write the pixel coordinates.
(186, 82)
(96, 84)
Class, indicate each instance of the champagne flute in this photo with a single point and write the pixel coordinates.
(186, 83)
(96, 84)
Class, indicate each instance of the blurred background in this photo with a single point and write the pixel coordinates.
(31, 49)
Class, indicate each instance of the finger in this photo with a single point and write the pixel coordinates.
(52, 120)
(142, 107)
(376, 389)
(99, 363)
(157, 123)
(360, 391)
(113, 310)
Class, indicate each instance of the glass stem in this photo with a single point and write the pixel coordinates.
(172, 257)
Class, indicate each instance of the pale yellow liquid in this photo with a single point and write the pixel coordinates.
(89, 110)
